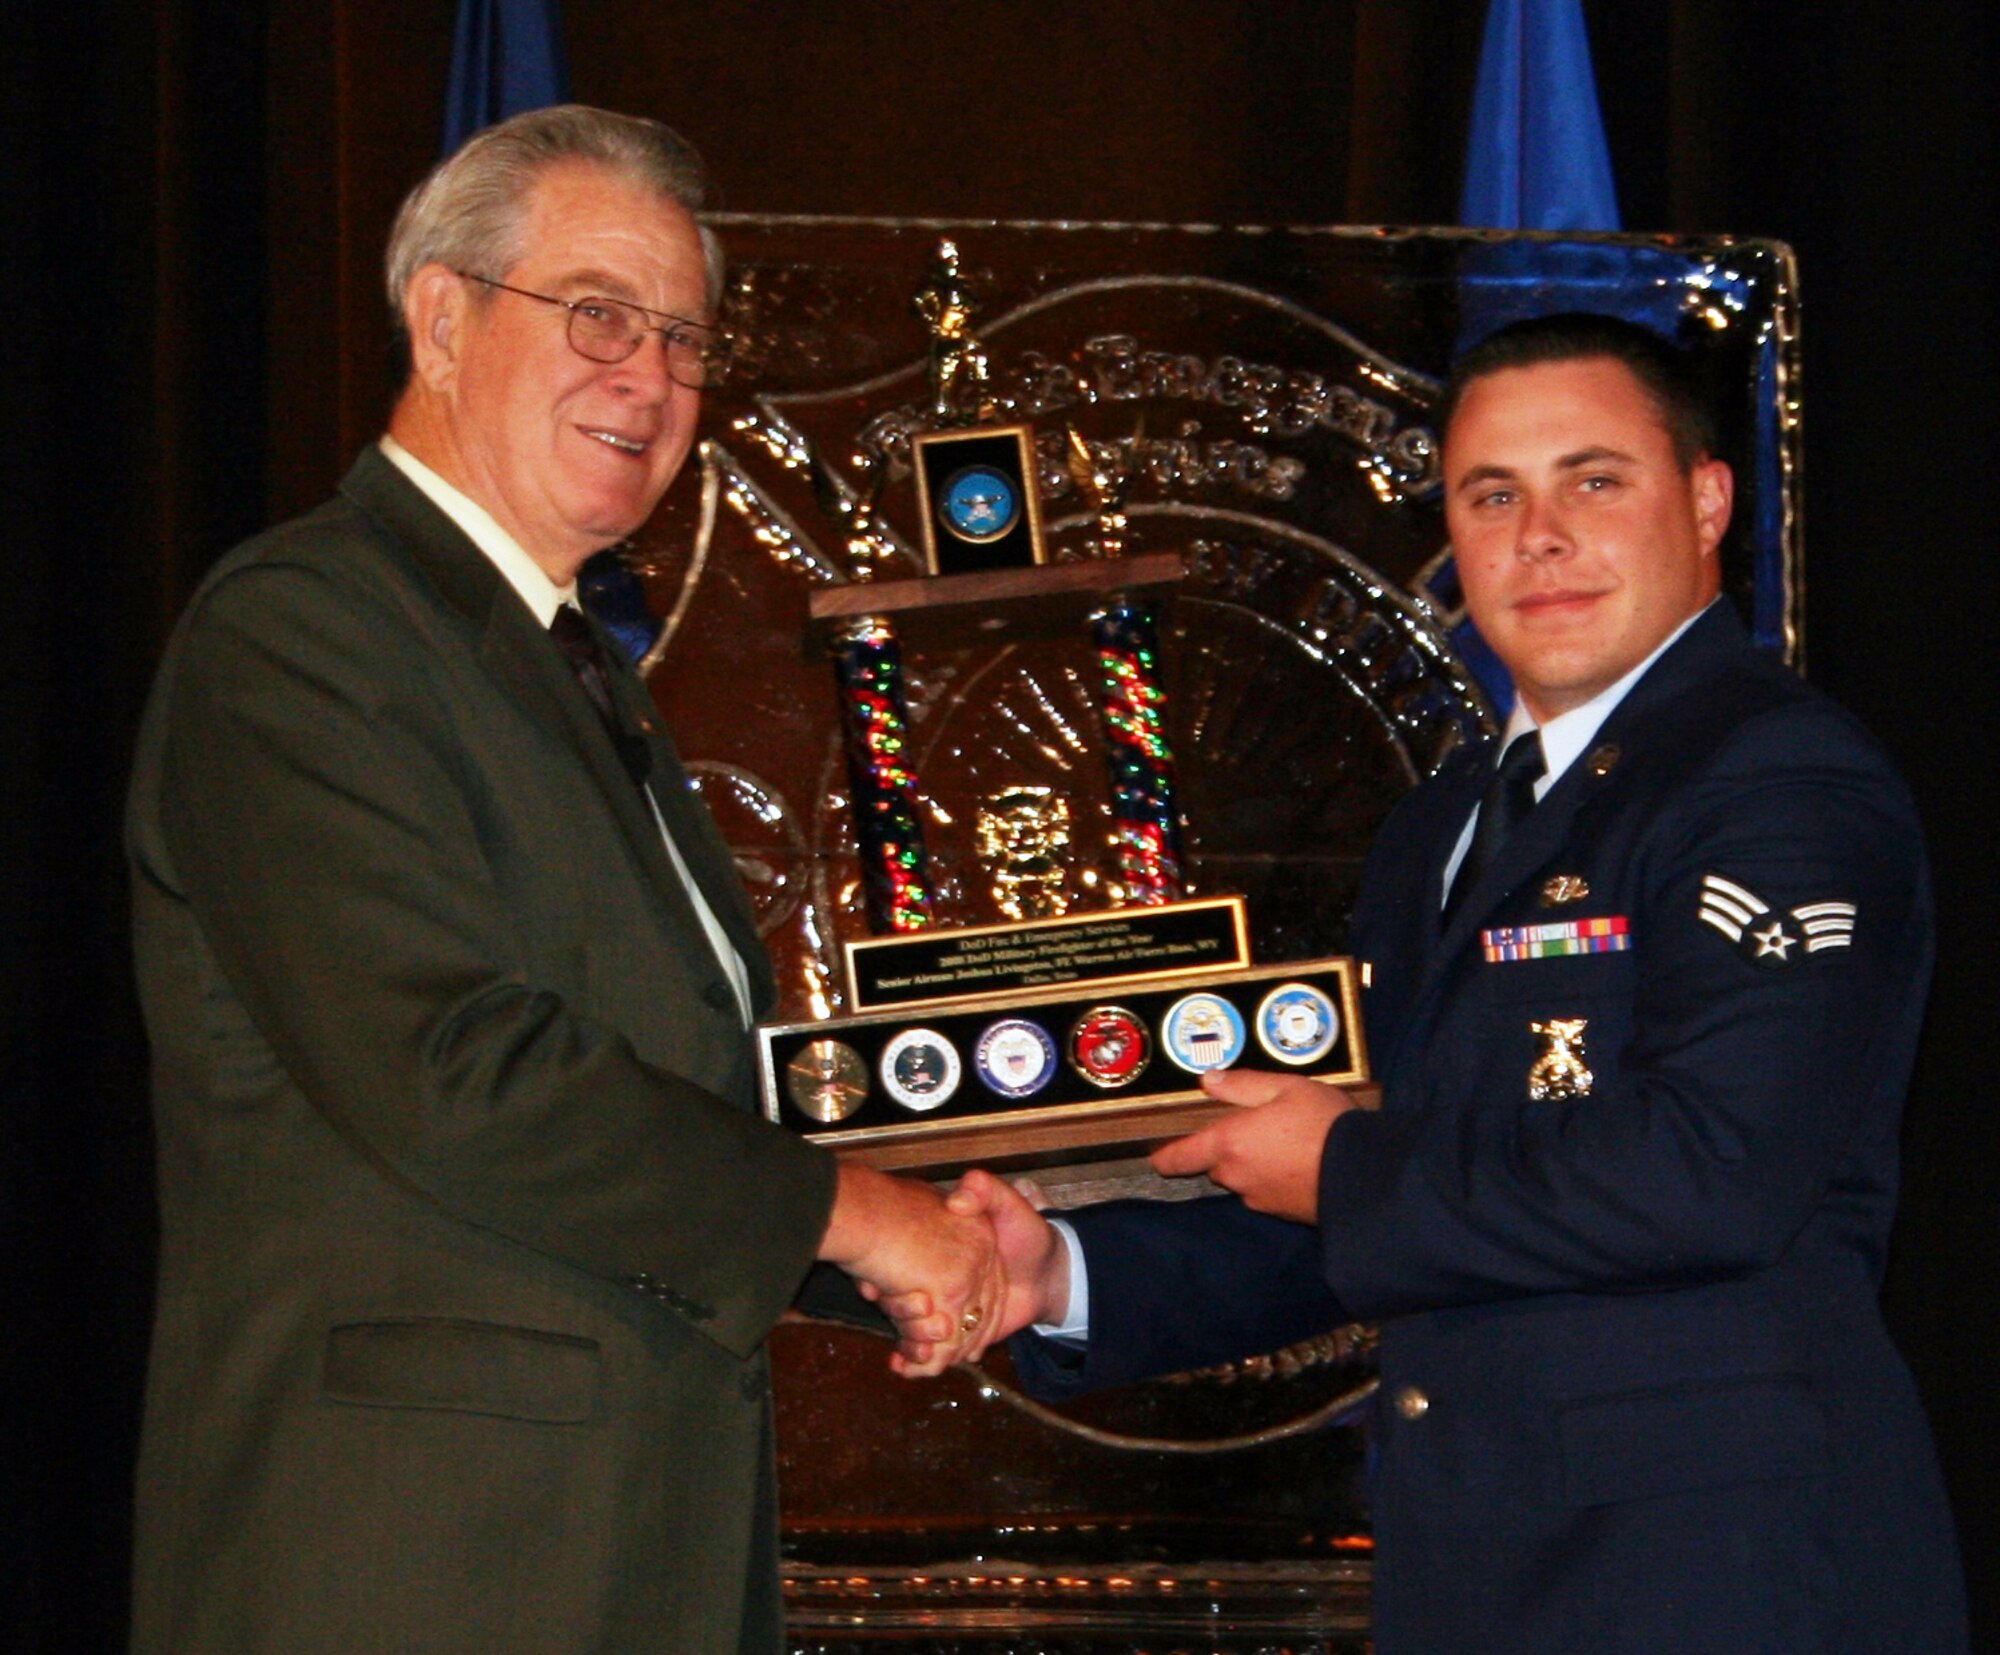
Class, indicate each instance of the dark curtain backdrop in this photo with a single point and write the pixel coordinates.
(195, 198)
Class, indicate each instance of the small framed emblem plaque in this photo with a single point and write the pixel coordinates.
(977, 499)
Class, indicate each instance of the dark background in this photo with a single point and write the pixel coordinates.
(196, 194)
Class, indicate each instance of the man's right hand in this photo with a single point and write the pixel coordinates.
(935, 1269)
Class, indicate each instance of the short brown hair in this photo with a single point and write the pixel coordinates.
(1664, 371)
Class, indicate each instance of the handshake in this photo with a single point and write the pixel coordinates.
(953, 1272)
(956, 1272)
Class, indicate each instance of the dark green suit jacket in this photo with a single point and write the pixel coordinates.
(471, 1233)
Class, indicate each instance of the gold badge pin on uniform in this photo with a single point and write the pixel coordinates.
(1564, 887)
(1560, 1072)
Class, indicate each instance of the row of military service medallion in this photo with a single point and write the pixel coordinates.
(1108, 1046)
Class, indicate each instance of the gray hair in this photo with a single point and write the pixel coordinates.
(467, 214)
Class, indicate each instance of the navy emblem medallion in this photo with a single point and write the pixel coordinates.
(1015, 1058)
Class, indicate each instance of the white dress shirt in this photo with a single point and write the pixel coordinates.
(543, 598)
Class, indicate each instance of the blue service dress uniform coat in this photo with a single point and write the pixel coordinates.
(1636, 1390)
(471, 1234)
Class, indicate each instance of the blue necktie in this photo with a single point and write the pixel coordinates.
(573, 636)
(1509, 796)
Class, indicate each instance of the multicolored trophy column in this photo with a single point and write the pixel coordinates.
(895, 873)
(1146, 822)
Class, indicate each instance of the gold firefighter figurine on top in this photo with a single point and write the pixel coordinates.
(959, 392)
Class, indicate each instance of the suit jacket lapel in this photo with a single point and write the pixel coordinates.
(517, 651)
(518, 654)
(694, 832)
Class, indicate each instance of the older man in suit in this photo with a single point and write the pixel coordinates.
(1643, 993)
(471, 1233)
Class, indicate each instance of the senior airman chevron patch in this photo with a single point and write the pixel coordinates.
(1728, 907)
(1826, 924)
(1765, 936)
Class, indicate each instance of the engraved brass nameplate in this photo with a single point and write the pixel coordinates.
(1122, 945)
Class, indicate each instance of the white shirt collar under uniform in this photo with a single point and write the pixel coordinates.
(1567, 736)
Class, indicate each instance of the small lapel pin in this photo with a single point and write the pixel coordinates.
(1603, 759)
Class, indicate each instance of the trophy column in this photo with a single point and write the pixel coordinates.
(875, 723)
(1146, 821)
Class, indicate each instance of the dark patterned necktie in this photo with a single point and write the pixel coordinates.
(579, 645)
(1509, 796)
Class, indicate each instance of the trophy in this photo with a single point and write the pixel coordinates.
(1060, 1036)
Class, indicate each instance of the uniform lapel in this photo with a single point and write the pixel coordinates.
(1716, 636)
(1537, 838)
(1402, 891)
(1533, 842)
(1456, 801)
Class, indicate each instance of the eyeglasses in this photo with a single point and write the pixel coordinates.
(610, 330)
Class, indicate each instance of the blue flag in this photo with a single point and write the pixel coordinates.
(1536, 158)
(506, 56)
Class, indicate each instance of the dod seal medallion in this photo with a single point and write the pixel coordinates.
(1202, 1032)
